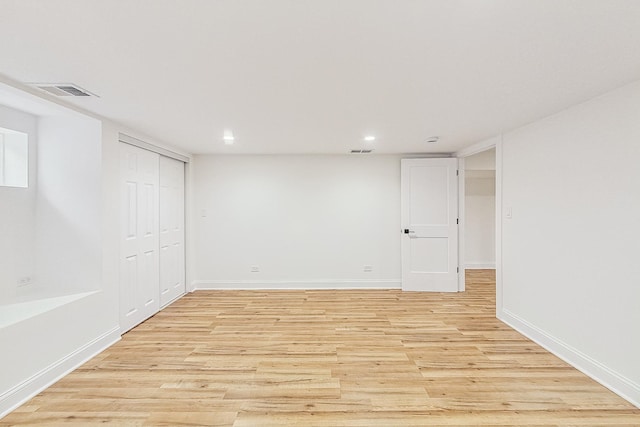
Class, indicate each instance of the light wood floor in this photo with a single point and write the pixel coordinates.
(328, 358)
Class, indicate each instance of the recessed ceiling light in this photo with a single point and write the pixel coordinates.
(228, 137)
(370, 138)
(433, 139)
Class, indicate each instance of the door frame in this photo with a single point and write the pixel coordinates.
(495, 142)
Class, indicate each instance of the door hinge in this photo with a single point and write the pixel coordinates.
(457, 172)
(457, 269)
(457, 220)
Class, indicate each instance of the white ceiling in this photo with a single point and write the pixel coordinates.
(302, 76)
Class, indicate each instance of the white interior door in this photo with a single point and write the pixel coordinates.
(172, 252)
(429, 216)
(139, 242)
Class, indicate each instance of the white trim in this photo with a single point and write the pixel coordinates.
(461, 224)
(620, 385)
(479, 147)
(189, 227)
(480, 266)
(498, 243)
(122, 137)
(16, 396)
(296, 284)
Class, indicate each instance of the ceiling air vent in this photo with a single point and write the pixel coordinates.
(63, 89)
(361, 151)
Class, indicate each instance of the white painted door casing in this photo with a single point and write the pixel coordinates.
(429, 217)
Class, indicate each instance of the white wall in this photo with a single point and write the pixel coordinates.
(68, 219)
(304, 221)
(17, 214)
(482, 161)
(480, 219)
(38, 349)
(570, 252)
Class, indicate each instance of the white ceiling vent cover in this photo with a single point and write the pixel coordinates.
(63, 89)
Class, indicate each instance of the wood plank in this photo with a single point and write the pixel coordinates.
(328, 358)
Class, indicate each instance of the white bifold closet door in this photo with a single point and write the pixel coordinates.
(152, 233)
(172, 274)
(139, 243)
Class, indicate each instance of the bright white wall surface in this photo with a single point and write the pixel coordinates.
(304, 221)
(480, 219)
(17, 214)
(570, 252)
(80, 188)
(68, 232)
(50, 334)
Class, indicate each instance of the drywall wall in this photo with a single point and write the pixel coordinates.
(480, 219)
(41, 348)
(302, 221)
(17, 215)
(55, 222)
(482, 161)
(62, 332)
(570, 251)
(68, 218)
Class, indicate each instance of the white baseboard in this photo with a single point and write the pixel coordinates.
(24, 391)
(296, 284)
(615, 382)
(480, 266)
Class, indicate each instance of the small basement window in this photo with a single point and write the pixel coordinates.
(14, 158)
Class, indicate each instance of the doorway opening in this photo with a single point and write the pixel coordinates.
(478, 212)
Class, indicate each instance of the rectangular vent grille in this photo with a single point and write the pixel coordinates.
(63, 89)
(73, 91)
(361, 151)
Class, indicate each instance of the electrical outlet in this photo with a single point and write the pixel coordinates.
(368, 268)
(255, 269)
(24, 281)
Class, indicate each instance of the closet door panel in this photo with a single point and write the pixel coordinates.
(172, 230)
(139, 241)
